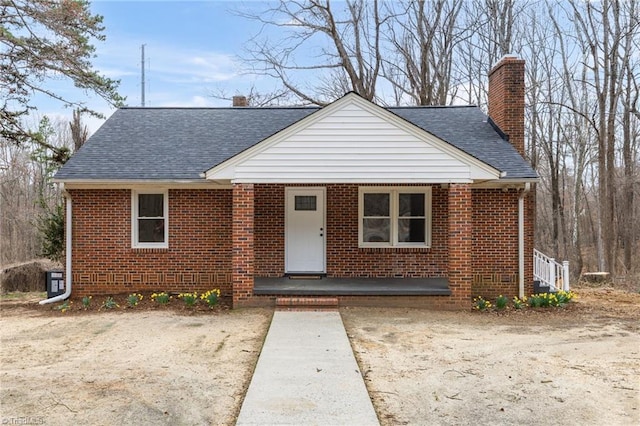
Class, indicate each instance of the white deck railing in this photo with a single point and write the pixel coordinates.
(549, 272)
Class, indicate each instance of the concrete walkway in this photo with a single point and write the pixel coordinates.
(307, 375)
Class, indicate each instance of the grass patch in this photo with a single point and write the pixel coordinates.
(194, 324)
(104, 328)
(221, 344)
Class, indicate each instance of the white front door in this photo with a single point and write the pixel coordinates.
(305, 230)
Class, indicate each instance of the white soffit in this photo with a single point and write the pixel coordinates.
(352, 140)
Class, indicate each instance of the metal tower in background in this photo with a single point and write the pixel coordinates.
(142, 82)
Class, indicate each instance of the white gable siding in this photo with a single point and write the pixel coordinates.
(353, 144)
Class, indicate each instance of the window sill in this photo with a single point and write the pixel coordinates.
(150, 249)
(406, 249)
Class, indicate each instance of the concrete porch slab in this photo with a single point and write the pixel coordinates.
(352, 286)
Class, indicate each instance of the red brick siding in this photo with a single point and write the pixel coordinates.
(495, 242)
(424, 302)
(344, 258)
(198, 257)
(269, 230)
(242, 239)
(460, 226)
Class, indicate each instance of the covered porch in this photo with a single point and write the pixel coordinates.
(439, 268)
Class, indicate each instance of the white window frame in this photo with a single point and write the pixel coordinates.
(394, 192)
(134, 218)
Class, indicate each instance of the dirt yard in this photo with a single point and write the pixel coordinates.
(573, 366)
(126, 367)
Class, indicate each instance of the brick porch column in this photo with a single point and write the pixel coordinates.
(242, 260)
(460, 239)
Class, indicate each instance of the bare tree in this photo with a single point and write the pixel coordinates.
(491, 27)
(79, 132)
(424, 40)
(349, 52)
(630, 123)
(602, 32)
(26, 190)
(256, 98)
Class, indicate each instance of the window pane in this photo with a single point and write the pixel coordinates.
(375, 230)
(411, 231)
(150, 205)
(376, 204)
(305, 202)
(411, 205)
(151, 230)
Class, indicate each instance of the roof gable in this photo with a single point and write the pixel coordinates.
(353, 140)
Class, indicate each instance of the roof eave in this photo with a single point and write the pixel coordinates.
(519, 180)
(134, 183)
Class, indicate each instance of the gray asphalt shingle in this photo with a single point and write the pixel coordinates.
(182, 143)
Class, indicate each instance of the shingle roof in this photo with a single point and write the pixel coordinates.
(182, 143)
(468, 128)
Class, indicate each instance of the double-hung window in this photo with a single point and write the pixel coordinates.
(394, 216)
(149, 213)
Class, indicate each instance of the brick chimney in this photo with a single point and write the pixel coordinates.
(506, 99)
(240, 101)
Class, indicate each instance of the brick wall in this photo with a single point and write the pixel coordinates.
(198, 257)
(420, 302)
(495, 242)
(506, 108)
(242, 240)
(269, 230)
(344, 258)
(459, 227)
(200, 242)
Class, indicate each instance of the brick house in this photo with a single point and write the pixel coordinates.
(423, 206)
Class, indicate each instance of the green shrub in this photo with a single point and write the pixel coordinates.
(519, 303)
(133, 299)
(86, 302)
(50, 224)
(481, 304)
(501, 302)
(109, 303)
(211, 297)
(546, 300)
(65, 306)
(189, 299)
(162, 298)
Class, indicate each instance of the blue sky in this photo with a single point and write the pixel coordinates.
(190, 50)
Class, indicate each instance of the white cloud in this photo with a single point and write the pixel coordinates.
(166, 62)
(193, 102)
(195, 67)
